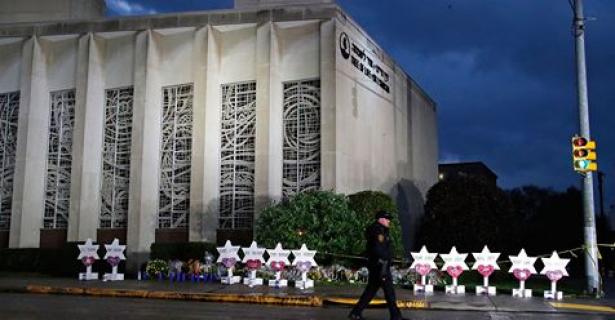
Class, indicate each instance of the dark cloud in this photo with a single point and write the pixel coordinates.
(503, 75)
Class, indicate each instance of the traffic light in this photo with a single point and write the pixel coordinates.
(584, 154)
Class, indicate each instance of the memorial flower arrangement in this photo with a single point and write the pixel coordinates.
(157, 267)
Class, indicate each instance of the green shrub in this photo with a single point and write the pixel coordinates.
(366, 203)
(183, 251)
(322, 220)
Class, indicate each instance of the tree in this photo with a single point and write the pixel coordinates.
(366, 203)
(322, 220)
(467, 213)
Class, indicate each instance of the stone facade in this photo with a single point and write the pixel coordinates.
(183, 126)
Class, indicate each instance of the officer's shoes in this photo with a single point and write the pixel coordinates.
(353, 316)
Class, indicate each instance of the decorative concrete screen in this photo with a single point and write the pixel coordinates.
(116, 157)
(175, 156)
(59, 159)
(301, 166)
(237, 155)
(9, 112)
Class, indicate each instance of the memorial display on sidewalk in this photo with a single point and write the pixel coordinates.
(304, 261)
(486, 264)
(454, 265)
(253, 260)
(554, 269)
(423, 264)
(522, 268)
(88, 253)
(278, 260)
(114, 255)
(228, 258)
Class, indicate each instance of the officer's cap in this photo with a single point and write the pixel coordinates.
(383, 214)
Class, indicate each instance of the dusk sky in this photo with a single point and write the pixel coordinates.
(502, 73)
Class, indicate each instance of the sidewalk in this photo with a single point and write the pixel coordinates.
(320, 296)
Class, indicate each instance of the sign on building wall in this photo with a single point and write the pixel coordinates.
(354, 52)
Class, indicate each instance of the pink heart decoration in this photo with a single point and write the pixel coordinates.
(422, 269)
(113, 261)
(277, 265)
(485, 271)
(522, 274)
(554, 275)
(454, 271)
(253, 264)
(87, 261)
(304, 266)
(228, 262)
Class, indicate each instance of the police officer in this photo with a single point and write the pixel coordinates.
(378, 263)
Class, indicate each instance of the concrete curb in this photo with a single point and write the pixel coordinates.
(256, 298)
(306, 301)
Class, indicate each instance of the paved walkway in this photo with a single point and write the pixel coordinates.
(321, 295)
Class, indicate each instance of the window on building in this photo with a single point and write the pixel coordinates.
(116, 157)
(237, 155)
(301, 168)
(59, 159)
(9, 113)
(175, 156)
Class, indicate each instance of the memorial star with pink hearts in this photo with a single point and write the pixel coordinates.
(454, 263)
(522, 265)
(88, 251)
(228, 254)
(278, 257)
(115, 250)
(485, 262)
(555, 267)
(253, 256)
(304, 258)
(423, 261)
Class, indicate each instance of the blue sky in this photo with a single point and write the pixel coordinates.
(502, 73)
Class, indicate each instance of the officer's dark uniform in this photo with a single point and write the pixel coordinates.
(378, 263)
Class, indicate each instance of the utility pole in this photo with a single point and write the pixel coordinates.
(601, 192)
(591, 248)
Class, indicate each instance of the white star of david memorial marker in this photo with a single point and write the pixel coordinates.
(114, 254)
(278, 260)
(554, 269)
(423, 264)
(88, 253)
(486, 263)
(522, 268)
(304, 261)
(454, 265)
(229, 257)
(253, 259)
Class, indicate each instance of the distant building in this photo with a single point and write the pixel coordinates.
(182, 127)
(467, 169)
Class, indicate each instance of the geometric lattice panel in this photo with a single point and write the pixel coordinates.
(238, 132)
(116, 157)
(9, 112)
(175, 156)
(301, 166)
(59, 159)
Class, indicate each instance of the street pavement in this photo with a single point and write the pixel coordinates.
(157, 294)
(31, 306)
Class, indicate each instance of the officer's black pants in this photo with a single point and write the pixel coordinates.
(374, 282)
